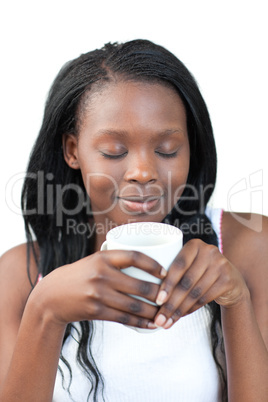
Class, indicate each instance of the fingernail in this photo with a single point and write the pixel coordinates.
(168, 323)
(161, 297)
(163, 272)
(160, 321)
(151, 325)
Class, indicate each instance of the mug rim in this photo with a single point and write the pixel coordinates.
(176, 232)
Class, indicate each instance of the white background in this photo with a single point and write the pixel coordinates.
(224, 44)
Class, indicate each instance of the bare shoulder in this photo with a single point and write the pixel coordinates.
(15, 287)
(15, 282)
(245, 245)
(245, 239)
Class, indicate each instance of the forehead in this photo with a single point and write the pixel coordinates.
(128, 103)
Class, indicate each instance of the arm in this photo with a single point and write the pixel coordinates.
(239, 284)
(246, 354)
(245, 327)
(14, 290)
(33, 327)
(26, 334)
(33, 368)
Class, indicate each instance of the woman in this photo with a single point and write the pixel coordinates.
(126, 136)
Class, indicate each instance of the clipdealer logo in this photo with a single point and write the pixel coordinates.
(250, 189)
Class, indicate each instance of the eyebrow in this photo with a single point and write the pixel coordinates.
(123, 133)
(163, 133)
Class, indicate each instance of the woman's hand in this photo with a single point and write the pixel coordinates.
(198, 275)
(94, 288)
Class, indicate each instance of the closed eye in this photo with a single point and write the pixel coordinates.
(111, 156)
(167, 155)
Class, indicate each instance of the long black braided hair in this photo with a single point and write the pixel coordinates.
(46, 218)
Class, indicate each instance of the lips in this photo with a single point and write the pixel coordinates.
(139, 204)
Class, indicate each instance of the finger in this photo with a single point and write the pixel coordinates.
(196, 281)
(128, 285)
(212, 294)
(182, 297)
(179, 266)
(130, 304)
(199, 295)
(224, 290)
(121, 317)
(126, 258)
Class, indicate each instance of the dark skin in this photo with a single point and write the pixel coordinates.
(136, 134)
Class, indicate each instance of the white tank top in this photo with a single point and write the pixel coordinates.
(163, 366)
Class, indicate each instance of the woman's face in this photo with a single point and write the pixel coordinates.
(133, 152)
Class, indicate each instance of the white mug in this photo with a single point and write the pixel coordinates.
(160, 241)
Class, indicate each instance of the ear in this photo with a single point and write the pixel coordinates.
(69, 145)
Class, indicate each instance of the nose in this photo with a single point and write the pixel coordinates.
(141, 169)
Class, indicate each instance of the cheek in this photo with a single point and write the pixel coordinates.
(98, 177)
(99, 183)
(178, 180)
(177, 189)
